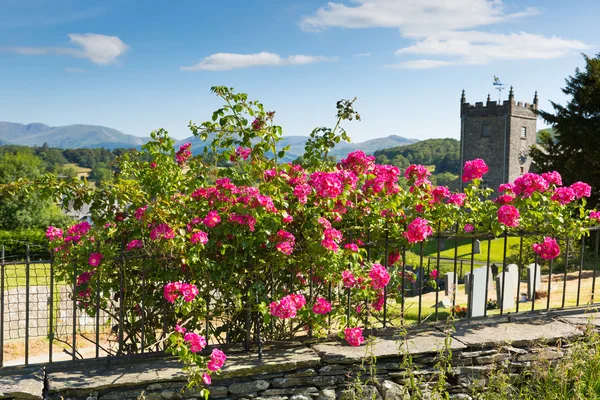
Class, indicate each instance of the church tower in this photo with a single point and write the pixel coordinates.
(500, 134)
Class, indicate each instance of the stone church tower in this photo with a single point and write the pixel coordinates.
(500, 134)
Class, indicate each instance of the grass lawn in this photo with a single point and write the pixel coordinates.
(428, 300)
(465, 246)
(16, 275)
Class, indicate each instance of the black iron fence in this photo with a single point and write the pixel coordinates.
(44, 317)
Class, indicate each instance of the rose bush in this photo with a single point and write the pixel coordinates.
(209, 245)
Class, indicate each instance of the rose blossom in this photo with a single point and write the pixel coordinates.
(53, 233)
(379, 276)
(134, 244)
(508, 215)
(563, 195)
(458, 199)
(217, 359)
(418, 230)
(196, 342)
(352, 247)
(581, 189)
(95, 259)
(529, 183)
(474, 169)
(469, 228)
(348, 279)
(199, 237)
(553, 178)
(548, 249)
(212, 219)
(206, 379)
(321, 306)
(285, 242)
(287, 307)
(354, 336)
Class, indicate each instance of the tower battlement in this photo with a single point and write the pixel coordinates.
(501, 134)
(508, 106)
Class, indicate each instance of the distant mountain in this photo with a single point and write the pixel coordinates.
(297, 144)
(91, 136)
(70, 136)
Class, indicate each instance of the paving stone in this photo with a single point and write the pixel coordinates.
(218, 391)
(300, 390)
(471, 354)
(364, 393)
(392, 391)
(171, 395)
(24, 384)
(300, 397)
(515, 350)
(248, 387)
(418, 343)
(543, 355)
(326, 394)
(524, 332)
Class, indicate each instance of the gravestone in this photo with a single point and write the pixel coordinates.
(477, 247)
(444, 303)
(477, 298)
(506, 295)
(513, 270)
(450, 284)
(467, 282)
(494, 270)
(531, 270)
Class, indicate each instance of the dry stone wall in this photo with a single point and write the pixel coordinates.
(325, 370)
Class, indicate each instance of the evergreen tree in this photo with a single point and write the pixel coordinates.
(574, 151)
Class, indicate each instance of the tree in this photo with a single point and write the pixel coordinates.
(25, 213)
(574, 151)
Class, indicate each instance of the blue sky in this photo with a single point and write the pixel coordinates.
(140, 65)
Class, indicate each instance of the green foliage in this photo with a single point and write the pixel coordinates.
(576, 376)
(443, 153)
(15, 242)
(25, 212)
(255, 254)
(574, 150)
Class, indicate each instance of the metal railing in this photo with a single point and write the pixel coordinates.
(44, 320)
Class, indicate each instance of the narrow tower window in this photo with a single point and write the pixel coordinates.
(485, 131)
(523, 132)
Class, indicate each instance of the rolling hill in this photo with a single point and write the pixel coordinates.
(91, 136)
(70, 136)
(297, 144)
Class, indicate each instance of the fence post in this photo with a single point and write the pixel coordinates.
(51, 301)
(2, 307)
(27, 290)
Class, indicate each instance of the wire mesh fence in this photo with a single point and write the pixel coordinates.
(45, 318)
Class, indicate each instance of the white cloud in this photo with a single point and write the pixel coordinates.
(420, 64)
(75, 70)
(481, 47)
(414, 18)
(99, 49)
(445, 29)
(363, 55)
(229, 61)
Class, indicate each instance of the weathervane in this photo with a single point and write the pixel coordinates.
(499, 87)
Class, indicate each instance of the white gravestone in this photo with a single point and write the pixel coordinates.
(506, 295)
(478, 298)
(467, 282)
(531, 270)
(513, 270)
(450, 284)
